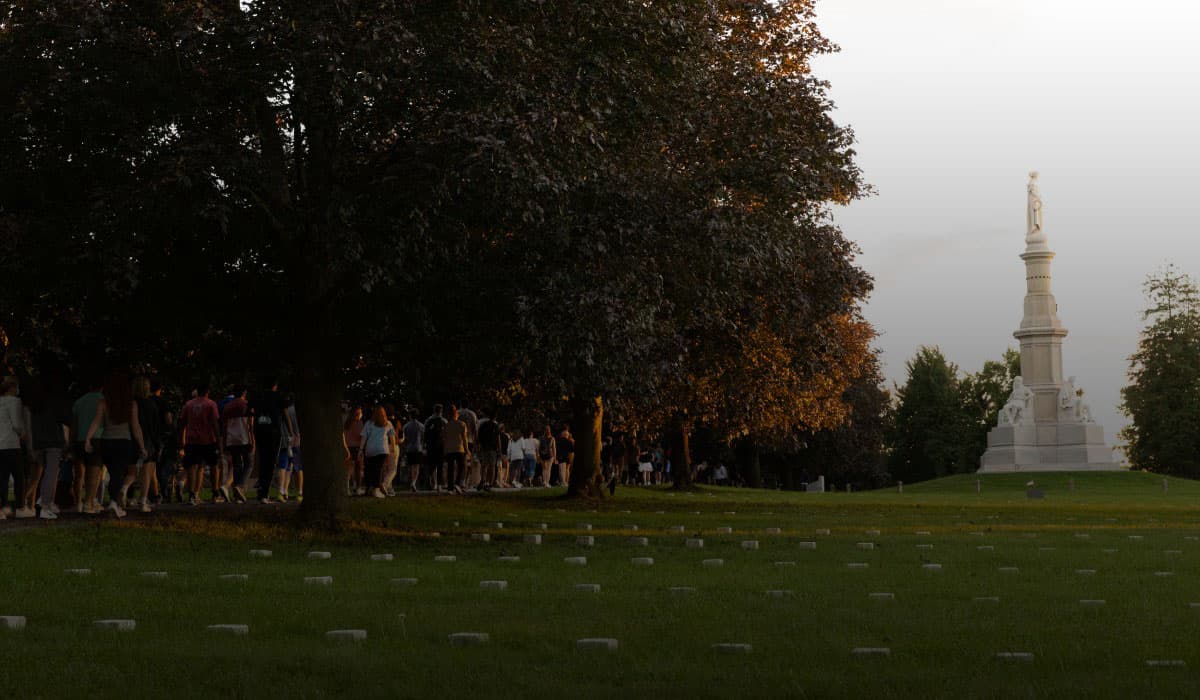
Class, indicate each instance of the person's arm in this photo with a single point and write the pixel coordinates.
(28, 440)
(362, 443)
(97, 421)
(135, 427)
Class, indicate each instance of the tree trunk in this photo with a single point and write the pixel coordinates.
(319, 410)
(681, 451)
(587, 476)
(752, 462)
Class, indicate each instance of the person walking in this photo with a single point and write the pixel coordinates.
(434, 449)
(378, 439)
(456, 443)
(564, 448)
(488, 442)
(122, 442)
(267, 415)
(352, 429)
(150, 421)
(87, 466)
(516, 461)
(547, 454)
(201, 439)
(50, 424)
(414, 449)
(14, 434)
(237, 439)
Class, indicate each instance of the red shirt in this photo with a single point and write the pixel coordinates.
(200, 421)
(234, 416)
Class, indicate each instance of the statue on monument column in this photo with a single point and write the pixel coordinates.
(1033, 213)
(1071, 408)
(1019, 409)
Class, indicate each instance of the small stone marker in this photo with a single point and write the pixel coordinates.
(1046, 549)
(318, 580)
(724, 530)
(857, 565)
(347, 635)
(932, 567)
(1014, 656)
(808, 545)
(1177, 663)
(924, 533)
(975, 534)
(153, 574)
(585, 541)
(1136, 537)
(694, 543)
(1008, 569)
(682, 589)
(713, 562)
(443, 558)
(405, 581)
(587, 588)
(532, 539)
(1086, 572)
(778, 594)
(587, 527)
(730, 512)
(642, 561)
(986, 599)
(543, 526)
(985, 548)
(785, 563)
(508, 558)
(1091, 603)
(677, 528)
(750, 545)
(381, 557)
(882, 596)
(866, 545)
(1192, 538)
(1082, 535)
(497, 526)
(1170, 552)
(494, 585)
(261, 553)
(122, 625)
(772, 531)
(319, 555)
(1194, 606)
(1164, 573)
(873, 533)
(240, 630)
(596, 643)
(1035, 494)
(733, 648)
(481, 537)
(12, 622)
(640, 541)
(576, 561)
(234, 577)
(631, 527)
(823, 531)
(78, 572)
(469, 638)
(871, 651)
(1109, 551)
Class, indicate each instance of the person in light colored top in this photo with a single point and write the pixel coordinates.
(516, 461)
(378, 439)
(457, 446)
(117, 414)
(414, 449)
(529, 448)
(14, 433)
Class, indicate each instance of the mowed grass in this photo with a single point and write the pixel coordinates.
(943, 642)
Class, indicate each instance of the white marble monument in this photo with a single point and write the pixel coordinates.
(1044, 425)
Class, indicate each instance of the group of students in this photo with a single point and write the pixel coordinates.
(452, 450)
(122, 432)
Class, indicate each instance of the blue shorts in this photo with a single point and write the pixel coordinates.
(292, 462)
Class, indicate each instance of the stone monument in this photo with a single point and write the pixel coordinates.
(1044, 425)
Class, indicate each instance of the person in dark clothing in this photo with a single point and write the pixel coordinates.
(268, 417)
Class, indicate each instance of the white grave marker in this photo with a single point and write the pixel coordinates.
(587, 588)
(319, 555)
(596, 643)
(494, 585)
(122, 625)
(240, 630)
(347, 635)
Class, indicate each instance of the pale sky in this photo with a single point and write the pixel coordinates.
(954, 102)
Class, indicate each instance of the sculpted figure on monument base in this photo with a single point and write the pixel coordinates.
(1019, 409)
(1071, 408)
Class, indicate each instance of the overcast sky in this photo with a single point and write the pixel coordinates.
(954, 102)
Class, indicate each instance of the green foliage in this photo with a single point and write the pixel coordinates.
(1162, 399)
(928, 438)
(984, 394)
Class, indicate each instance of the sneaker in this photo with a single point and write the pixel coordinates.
(299, 498)
(23, 513)
(116, 509)
(195, 500)
(239, 495)
(225, 494)
(79, 507)
(47, 514)
(265, 501)
(146, 508)
(92, 508)
(283, 498)
(360, 491)
(7, 510)
(218, 499)
(377, 493)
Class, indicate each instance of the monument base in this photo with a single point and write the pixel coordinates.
(1047, 447)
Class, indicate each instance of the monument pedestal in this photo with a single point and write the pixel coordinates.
(1047, 448)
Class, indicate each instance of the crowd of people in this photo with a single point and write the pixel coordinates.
(122, 436)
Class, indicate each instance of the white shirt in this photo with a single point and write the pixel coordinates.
(12, 423)
(514, 450)
(529, 447)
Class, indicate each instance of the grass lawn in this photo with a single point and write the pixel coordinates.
(943, 641)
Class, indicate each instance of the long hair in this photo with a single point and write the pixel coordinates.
(141, 388)
(379, 416)
(118, 395)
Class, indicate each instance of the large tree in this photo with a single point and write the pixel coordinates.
(1162, 399)
(984, 393)
(929, 435)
